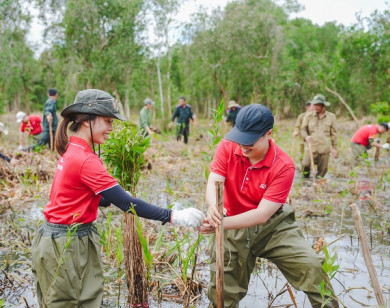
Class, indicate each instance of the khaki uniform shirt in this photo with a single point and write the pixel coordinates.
(322, 130)
(298, 123)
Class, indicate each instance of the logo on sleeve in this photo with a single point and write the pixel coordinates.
(263, 186)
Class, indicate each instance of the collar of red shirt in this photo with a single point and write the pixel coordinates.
(79, 142)
(268, 160)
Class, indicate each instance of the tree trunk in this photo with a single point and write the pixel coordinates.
(221, 89)
(160, 88)
(137, 284)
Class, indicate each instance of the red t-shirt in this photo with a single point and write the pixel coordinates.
(79, 179)
(246, 184)
(364, 133)
(33, 126)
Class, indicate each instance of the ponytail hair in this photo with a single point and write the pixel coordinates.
(62, 139)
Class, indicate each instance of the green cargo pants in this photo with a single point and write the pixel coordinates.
(78, 281)
(358, 153)
(279, 240)
(321, 160)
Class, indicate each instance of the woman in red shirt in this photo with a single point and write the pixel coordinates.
(73, 277)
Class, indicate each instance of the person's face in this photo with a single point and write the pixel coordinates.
(25, 119)
(319, 108)
(101, 128)
(309, 107)
(233, 108)
(148, 106)
(258, 149)
(381, 129)
(182, 102)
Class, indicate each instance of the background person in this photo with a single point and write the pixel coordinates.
(183, 113)
(233, 110)
(363, 140)
(81, 183)
(144, 118)
(30, 124)
(319, 129)
(298, 123)
(257, 178)
(4, 131)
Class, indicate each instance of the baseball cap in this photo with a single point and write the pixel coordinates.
(19, 116)
(252, 122)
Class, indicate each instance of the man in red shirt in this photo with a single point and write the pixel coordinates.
(257, 178)
(363, 140)
(30, 124)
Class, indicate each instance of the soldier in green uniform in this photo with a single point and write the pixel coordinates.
(233, 109)
(144, 118)
(183, 113)
(297, 127)
(319, 128)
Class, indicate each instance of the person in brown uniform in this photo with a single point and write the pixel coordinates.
(298, 123)
(318, 128)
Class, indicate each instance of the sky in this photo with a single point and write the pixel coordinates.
(341, 11)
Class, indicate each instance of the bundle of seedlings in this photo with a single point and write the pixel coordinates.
(124, 155)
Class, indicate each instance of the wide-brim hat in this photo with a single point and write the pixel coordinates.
(20, 116)
(320, 99)
(148, 101)
(233, 104)
(3, 129)
(252, 122)
(93, 101)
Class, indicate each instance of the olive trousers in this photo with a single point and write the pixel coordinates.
(279, 240)
(67, 270)
(321, 160)
(358, 153)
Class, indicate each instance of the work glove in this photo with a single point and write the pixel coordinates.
(386, 146)
(187, 218)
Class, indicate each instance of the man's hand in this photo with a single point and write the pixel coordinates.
(187, 218)
(309, 139)
(213, 216)
(295, 134)
(386, 146)
(206, 227)
(334, 153)
(49, 118)
(170, 124)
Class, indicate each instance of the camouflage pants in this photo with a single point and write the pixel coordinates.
(70, 279)
(321, 160)
(358, 153)
(279, 240)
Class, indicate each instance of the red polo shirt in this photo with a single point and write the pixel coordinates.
(246, 184)
(79, 179)
(33, 126)
(364, 133)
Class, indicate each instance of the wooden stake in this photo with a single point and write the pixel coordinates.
(377, 151)
(51, 136)
(311, 160)
(367, 256)
(219, 246)
(293, 147)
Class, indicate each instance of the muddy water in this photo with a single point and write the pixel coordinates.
(178, 175)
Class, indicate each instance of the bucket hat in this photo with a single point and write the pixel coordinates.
(3, 129)
(93, 101)
(233, 104)
(252, 122)
(19, 116)
(148, 101)
(320, 99)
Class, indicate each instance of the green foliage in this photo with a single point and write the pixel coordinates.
(330, 268)
(381, 110)
(123, 153)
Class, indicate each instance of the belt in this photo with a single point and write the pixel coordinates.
(57, 230)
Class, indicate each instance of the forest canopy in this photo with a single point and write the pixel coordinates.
(250, 51)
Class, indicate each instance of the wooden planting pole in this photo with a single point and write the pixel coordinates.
(377, 151)
(293, 147)
(367, 255)
(219, 246)
(51, 136)
(137, 284)
(311, 160)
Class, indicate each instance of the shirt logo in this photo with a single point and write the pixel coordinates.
(263, 186)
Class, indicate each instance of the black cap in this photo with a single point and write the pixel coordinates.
(52, 92)
(252, 122)
(385, 125)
